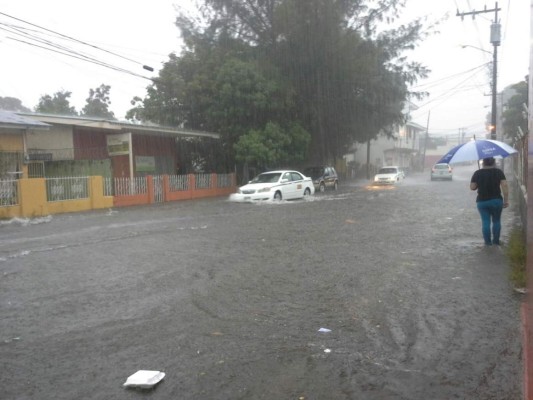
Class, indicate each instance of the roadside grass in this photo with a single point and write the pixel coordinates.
(516, 252)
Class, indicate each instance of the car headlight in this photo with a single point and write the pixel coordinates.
(267, 189)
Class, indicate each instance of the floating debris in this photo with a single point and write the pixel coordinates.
(144, 379)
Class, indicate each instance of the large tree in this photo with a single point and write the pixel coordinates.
(217, 87)
(350, 78)
(321, 64)
(98, 103)
(57, 104)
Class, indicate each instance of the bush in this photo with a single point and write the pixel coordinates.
(516, 252)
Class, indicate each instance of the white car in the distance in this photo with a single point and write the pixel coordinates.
(388, 175)
(275, 185)
(442, 171)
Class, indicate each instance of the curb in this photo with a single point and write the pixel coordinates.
(528, 350)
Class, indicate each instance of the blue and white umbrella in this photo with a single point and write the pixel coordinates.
(476, 150)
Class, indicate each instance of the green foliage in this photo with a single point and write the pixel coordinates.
(12, 104)
(58, 104)
(165, 102)
(516, 252)
(514, 116)
(244, 99)
(272, 146)
(351, 82)
(98, 103)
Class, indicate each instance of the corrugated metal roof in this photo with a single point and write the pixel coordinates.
(125, 126)
(10, 119)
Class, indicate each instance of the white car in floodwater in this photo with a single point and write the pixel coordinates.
(388, 175)
(275, 185)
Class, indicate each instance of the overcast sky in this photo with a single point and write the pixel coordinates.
(143, 33)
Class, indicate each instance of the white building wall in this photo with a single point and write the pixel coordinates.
(58, 141)
(377, 149)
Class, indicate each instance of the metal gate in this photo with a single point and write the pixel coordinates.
(158, 188)
(36, 169)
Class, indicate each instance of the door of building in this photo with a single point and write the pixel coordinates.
(120, 166)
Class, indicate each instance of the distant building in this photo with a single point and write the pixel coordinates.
(403, 149)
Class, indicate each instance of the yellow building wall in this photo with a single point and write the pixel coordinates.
(32, 197)
(33, 202)
(9, 212)
(11, 141)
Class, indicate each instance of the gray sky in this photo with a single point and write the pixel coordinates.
(143, 33)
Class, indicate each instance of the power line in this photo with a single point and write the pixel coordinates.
(495, 39)
(449, 77)
(84, 58)
(447, 95)
(146, 67)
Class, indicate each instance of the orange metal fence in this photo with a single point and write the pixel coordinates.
(35, 197)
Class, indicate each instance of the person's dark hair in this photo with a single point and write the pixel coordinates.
(489, 161)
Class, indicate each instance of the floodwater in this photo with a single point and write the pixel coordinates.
(228, 299)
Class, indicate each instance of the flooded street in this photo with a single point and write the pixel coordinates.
(228, 299)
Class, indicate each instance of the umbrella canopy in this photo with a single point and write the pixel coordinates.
(478, 149)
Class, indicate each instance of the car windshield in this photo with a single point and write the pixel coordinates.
(266, 178)
(441, 166)
(387, 171)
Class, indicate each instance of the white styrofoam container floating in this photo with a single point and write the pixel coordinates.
(144, 379)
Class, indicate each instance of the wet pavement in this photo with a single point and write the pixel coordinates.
(227, 299)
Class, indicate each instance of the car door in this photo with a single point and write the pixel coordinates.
(297, 181)
(397, 174)
(326, 177)
(287, 186)
(331, 176)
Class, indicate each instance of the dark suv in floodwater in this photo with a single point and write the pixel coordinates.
(324, 177)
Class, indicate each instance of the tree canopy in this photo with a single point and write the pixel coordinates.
(98, 103)
(12, 104)
(252, 69)
(57, 104)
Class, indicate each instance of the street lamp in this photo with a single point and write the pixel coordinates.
(474, 47)
(495, 40)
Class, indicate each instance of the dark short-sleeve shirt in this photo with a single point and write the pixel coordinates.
(488, 183)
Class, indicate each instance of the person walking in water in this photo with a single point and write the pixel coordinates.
(490, 183)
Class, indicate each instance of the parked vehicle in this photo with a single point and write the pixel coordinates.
(324, 177)
(275, 185)
(442, 171)
(388, 175)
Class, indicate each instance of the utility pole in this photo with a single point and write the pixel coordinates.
(495, 39)
(461, 137)
(426, 143)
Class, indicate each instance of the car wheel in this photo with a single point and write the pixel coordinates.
(307, 192)
(322, 187)
(335, 185)
(277, 196)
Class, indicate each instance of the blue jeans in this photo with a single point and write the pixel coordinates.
(491, 210)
